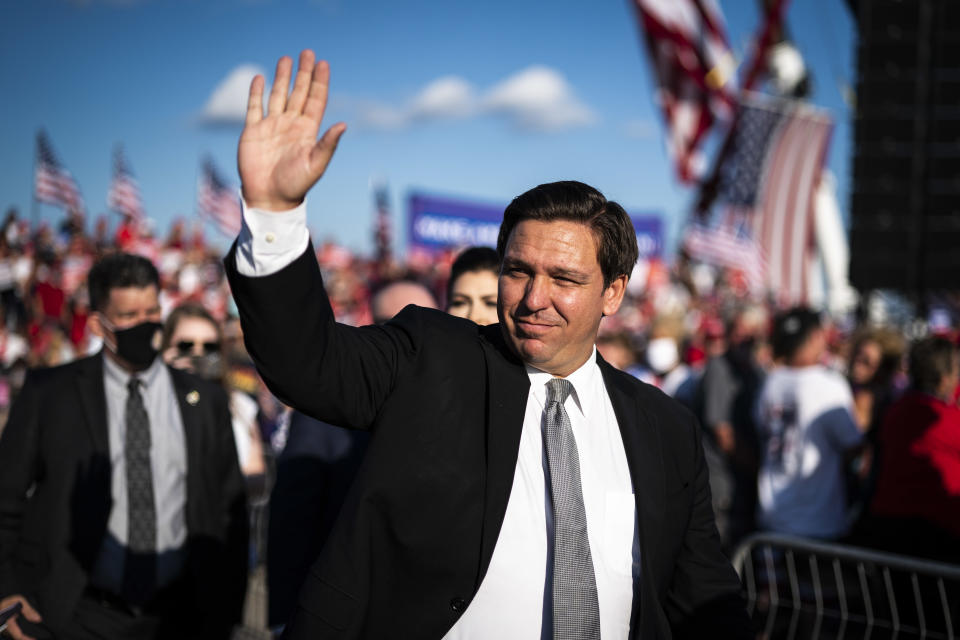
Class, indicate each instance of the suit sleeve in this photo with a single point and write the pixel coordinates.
(704, 599)
(335, 373)
(19, 449)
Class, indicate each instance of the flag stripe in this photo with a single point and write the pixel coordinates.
(218, 201)
(771, 174)
(784, 220)
(124, 193)
(53, 184)
(688, 51)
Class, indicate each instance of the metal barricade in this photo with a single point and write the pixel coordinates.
(801, 588)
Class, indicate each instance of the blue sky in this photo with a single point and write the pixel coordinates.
(438, 96)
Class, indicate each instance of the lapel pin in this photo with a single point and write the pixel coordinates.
(193, 398)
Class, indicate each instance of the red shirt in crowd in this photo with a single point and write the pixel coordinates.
(920, 465)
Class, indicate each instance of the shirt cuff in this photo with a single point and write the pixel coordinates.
(270, 240)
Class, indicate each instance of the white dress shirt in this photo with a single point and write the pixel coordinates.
(168, 461)
(510, 601)
(511, 597)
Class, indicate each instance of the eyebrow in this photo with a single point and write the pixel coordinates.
(554, 272)
(569, 273)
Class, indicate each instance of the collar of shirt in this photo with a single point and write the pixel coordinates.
(583, 380)
(118, 374)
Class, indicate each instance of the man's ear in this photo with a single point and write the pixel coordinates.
(94, 324)
(613, 294)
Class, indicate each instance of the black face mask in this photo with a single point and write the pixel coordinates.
(138, 345)
(208, 366)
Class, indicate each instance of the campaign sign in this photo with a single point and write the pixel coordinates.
(649, 230)
(441, 223)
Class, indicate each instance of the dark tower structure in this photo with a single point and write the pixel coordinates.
(905, 208)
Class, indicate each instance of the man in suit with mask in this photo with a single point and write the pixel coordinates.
(515, 485)
(122, 507)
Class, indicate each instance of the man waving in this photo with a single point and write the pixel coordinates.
(516, 485)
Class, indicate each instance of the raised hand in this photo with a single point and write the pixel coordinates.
(279, 156)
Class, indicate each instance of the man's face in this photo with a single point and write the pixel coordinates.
(551, 294)
(126, 307)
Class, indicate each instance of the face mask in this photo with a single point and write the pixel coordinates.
(208, 366)
(138, 345)
(662, 354)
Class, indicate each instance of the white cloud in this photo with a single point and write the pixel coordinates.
(446, 97)
(227, 104)
(537, 98)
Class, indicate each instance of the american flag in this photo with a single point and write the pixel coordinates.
(124, 194)
(692, 64)
(728, 243)
(218, 201)
(52, 183)
(770, 177)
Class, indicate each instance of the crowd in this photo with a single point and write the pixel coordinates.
(811, 426)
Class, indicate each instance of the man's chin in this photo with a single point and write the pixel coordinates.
(531, 350)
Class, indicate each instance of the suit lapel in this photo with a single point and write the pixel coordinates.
(93, 400)
(507, 390)
(641, 441)
(190, 401)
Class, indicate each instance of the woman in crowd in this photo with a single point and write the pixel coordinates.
(192, 340)
(472, 288)
(875, 360)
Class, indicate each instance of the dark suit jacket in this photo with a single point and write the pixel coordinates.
(55, 496)
(445, 400)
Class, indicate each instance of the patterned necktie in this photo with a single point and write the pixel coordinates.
(576, 613)
(139, 576)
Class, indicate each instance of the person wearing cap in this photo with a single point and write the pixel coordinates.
(807, 429)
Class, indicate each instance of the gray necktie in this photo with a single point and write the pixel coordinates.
(139, 574)
(576, 614)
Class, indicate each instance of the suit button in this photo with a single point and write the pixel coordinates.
(458, 605)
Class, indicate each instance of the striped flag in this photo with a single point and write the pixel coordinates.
(52, 183)
(218, 201)
(770, 176)
(124, 193)
(692, 64)
(728, 243)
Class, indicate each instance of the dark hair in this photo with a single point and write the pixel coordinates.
(187, 310)
(891, 346)
(119, 270)
(791, 329)
(930, 360)
(569, 200)
(470, 260)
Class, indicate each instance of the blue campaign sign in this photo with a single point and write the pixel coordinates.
(649, 229)
(440, 223)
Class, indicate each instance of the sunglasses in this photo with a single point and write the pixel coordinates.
(185, 347)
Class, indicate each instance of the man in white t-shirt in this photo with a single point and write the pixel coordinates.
(807, 429)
